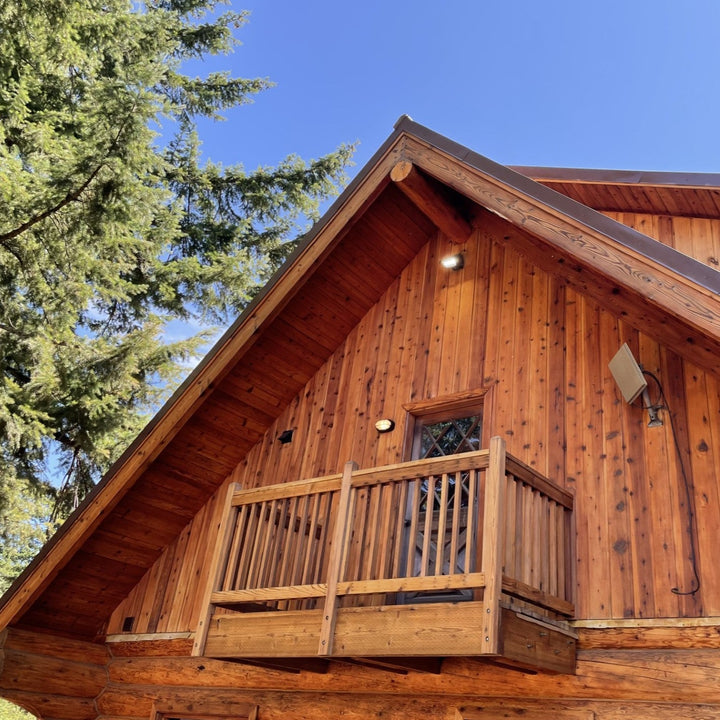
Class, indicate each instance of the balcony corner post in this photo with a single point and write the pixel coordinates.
(218, 566)
(493, 550)
(335, 562)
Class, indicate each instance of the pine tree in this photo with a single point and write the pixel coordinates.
(108, 231)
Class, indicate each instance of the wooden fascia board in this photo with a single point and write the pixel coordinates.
(696, 305)
(198, 387)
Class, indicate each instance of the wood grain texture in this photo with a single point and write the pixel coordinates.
(554, 402)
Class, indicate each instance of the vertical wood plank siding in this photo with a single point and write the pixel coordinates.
(543, 350)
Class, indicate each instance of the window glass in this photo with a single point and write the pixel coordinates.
(449, 437)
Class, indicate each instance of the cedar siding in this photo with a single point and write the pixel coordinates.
(544, 357)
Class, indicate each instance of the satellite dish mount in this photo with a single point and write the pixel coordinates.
(632, 383)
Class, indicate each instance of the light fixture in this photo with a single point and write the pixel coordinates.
(632, 383)
(385, 425)
(453, 262)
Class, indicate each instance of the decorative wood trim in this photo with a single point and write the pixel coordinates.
(444, 404)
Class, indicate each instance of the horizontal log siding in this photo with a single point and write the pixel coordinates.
(543, 350)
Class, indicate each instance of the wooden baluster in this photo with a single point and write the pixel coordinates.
(470, 553)
(326, 505)
(284, 578)
(429, 508)
(442, 522)
(555, 545)
(265, 555)
(569, 535)
(255, 545)
(372, 533)
(273, 576)
(492, 552)
(455, 527)
(300, 545)
(386, 531)
(412, 536)
(510, 526)
(246, 554)
(399, 529)
(312, 551)
(228, 582)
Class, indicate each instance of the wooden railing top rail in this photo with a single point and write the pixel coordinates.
(369, 476)
(297, 488)
(530, 476)
(421, 468)
(405, 471)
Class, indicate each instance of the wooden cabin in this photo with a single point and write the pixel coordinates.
(397, 489)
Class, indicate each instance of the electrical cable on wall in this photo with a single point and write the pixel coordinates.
(688, 492)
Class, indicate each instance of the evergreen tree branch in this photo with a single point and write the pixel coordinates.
(72, 196)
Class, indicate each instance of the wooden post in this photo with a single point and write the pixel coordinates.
(327, 630)
(492, 550)
(217, 568)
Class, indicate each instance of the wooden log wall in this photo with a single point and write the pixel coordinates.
(640, 682)
(52, 677)
(539, 352)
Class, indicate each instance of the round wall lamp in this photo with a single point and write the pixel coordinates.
(453, 262)
(385, 425)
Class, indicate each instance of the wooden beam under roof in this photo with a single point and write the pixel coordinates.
(432, 199)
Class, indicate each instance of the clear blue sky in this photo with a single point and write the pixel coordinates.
(624, 84)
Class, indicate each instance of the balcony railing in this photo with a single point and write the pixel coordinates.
(388, 561)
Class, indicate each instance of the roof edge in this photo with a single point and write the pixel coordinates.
(686, 180)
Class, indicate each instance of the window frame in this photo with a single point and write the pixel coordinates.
(447, 407)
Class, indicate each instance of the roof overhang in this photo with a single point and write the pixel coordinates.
(677, 194)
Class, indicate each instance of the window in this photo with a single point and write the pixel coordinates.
(445, 427)
(448, 437)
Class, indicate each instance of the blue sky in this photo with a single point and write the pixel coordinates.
(627, 84)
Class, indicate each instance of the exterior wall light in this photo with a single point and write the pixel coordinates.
(385, 425)
(453, 262)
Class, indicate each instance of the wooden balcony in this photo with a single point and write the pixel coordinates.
(466, 555)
